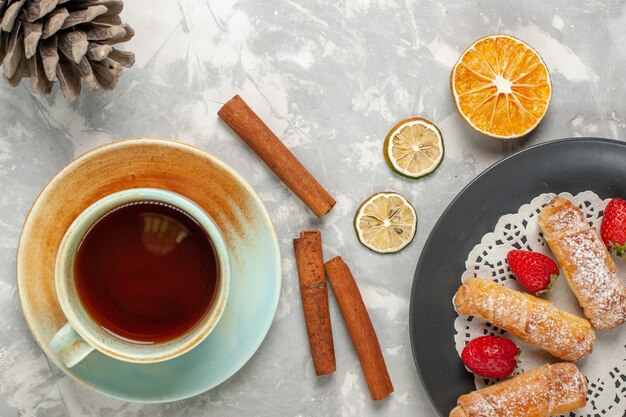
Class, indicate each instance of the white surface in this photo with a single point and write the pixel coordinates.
(330, 78)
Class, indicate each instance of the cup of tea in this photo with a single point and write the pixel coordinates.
(142, 275)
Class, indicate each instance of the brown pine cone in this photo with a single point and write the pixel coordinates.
(67, 40)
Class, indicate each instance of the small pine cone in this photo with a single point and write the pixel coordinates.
(67, 40)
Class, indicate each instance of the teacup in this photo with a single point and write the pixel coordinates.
(82, 334)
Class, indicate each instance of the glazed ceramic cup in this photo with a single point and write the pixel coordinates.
(81, 335)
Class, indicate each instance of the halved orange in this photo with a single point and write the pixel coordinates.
(501, 87)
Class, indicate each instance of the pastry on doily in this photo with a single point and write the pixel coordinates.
(542, 392)
(586, 263)
(532, 319)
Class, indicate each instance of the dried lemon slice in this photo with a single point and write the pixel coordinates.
(385, 222)
(501, 87)
(414, 148)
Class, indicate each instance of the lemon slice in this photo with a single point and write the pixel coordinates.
(414, 148)
(385, 222)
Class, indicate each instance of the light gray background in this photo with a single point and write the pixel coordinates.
(330, 79)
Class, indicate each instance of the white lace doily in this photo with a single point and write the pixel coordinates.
(605, 368)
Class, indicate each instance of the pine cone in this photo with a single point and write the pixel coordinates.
(68, 40)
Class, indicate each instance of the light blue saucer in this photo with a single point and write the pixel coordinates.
(248, 233)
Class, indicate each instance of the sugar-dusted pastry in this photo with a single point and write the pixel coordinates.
(532, 319)
(586, 263)
(542, 392)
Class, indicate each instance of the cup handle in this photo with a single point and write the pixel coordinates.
(70, 346)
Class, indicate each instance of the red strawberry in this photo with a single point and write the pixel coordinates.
(490, 356)
(536, 272)
(613, 227)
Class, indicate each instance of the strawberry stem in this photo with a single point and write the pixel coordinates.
(553, 278)
(619, 249)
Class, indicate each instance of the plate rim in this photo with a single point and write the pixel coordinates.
(176, 144)
(427, 242)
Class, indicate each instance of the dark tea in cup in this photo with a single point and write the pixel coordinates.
(146, 272)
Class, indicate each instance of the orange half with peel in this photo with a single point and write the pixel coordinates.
(501, 87)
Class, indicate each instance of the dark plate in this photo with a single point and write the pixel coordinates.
(572, 165)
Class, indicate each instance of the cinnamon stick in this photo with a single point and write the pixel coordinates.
(360, 328)
(251, 129)
(314, 293)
